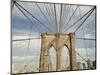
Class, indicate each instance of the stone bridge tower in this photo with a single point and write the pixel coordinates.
(58, 41)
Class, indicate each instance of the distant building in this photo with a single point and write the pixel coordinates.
(81, 66)
(91, 64)
(94, 64)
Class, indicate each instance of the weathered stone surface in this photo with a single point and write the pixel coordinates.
(58, 41)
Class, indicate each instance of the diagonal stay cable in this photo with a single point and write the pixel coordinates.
(52, 15)
(72, 15)
(29, 41)
(85, 39)
(85, 44)
(28, 46)
(48, 14)
(43, 13)
(63, 11)
(84, 21)
(27, 17)
(80, 56)
(29, 36)
(35, 18)
(84, 36)
(79, 19)
(66, 15)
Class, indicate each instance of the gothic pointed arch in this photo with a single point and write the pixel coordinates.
(52, 58)
(65, 58)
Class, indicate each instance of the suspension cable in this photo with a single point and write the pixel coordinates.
(29, 41)
(85, 38)
(55, 18)
(43, 14)
(80, 56)
(65, 14)
(84, 21)
(68, 12)
(72, 15)
(49, 14)
(60, 27)
(79, 19)
(29, 34)
(34, 17)
(27, 17)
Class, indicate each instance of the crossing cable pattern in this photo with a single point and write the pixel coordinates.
(42, 13)
(79, 19)
(35, 17)
(52, 14)
(65, 10)
(49, 13)
(72, 15)
(83, 21)
(53, 20)
(27, 17)
(26, 39)
(30, 33)
(66, 16)
(84, 43)
(84, 37)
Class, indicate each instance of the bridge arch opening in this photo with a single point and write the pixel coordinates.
(65, 58)
(52, 58)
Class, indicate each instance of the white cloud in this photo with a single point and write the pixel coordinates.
(30, 61)
(86, 51)
(89, 36)
(23, 58)
(34, 44)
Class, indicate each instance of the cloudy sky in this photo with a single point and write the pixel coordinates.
(49, 18)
